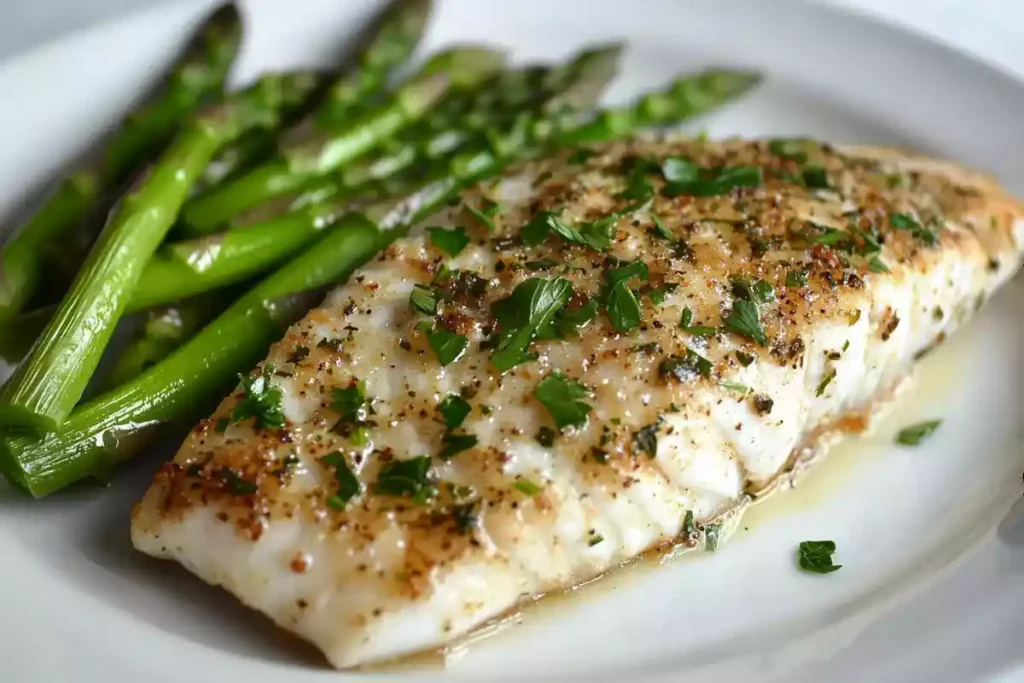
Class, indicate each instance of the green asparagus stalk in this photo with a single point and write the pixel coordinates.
(166, 328)
(111, 427)
(384, 45)
(183, 269)
(82, 194)
(46, 386)
(307, 151)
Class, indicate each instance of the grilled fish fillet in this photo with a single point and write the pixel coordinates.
(745, 299)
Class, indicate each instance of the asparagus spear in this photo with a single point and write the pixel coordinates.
(198, 74)
(307, 152)
(166, 328)
(110, 427)
(385, 44)
(46, 386)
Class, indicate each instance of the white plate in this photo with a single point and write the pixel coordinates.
(76, 601)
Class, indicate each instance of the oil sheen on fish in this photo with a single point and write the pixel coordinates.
(609, 351)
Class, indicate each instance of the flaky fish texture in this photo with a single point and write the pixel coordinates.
(610, 351)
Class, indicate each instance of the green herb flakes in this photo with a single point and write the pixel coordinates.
(797, 278)
(447, 346)
(816, 557)
(485, 213)
(524, 315)
(686, 324)
(645, 440)
(561, 396)
(454, 410)
(685, 368)
(452, 444)
(546, 437)
(745, 321)
(876, 265)
(236, 484)
(261, 400)
(916, 434)
(298, 354)
(348, 485)
(709, 182)
(406, 478)
(526, 486)
(825, 381)
(451, 241)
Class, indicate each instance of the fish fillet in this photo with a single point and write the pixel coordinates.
(682, 317)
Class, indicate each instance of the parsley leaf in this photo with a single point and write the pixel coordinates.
(454, 409)
(424, 300)
(685, 368)
(523, 315)
(543, 264)
(679, 170)
(646, 439)
(712, 181)
(745, 321)
(660, 230)
(902, 221)
(796, 278)
(816, 178)
(734, 386)
(596, 234)
(876, 265)
(825, 381)
(686, 320)
(262, 400)
(348, 484)
(350, 401)
(580, 156)
(792, 149)
(406, 478)
(484, 213)
(451, 241)
(915, 434)
(620, 301)
(451, 444)
(560, 395)
(447, 346)
(236, 485)
(572, 320)
(526, 486)
(816, 556)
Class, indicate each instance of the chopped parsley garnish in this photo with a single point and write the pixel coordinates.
(685, 368)
(451, 241)
(830, 236)
(333, 344)
(763, 291)
(406, 478)
(298, 354)
(526, 486)
(484, 213)
(572, 320)
(734, 386)
(596, 234)
(745, 359)
(658, 294)
(679, 170)
(876, 265)
(561, 396)
(645, 439)
(791, 149)
(796, 278)
(708, 182)
(448, 346)
(262, 400)
(452, 444)
(638, 187)
(465, 517)
(816, 178)
(816, 557)
(236, 485)
(350, 401)
(686, 324)
(915, 434)
(454, 410)
(825, 381)
(660, 230)
(902, 221)
(580, 156)
(348, 485)
(546, 437)
(525, 314)
(620, 301)
(594, 538)
(222, 425)
(745, 321)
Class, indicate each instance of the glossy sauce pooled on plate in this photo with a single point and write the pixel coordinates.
(602, 352)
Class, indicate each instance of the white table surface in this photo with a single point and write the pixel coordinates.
(992, 30)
